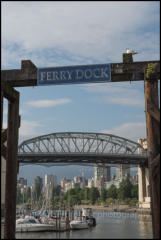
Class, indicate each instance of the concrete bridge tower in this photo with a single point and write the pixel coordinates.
(143, 180)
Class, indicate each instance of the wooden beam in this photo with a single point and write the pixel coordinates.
(120, 72)
(11, 168)
(8, 91)
(153, 134)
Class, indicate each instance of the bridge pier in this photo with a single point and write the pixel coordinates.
(144, 190)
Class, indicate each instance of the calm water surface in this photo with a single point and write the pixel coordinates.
(109, 225)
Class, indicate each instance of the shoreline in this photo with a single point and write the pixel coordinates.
(116, 208)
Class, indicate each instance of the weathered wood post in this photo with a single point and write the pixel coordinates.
(153, 140)
(56, 221)
(11, 166)
(67, 221)
(59, 220)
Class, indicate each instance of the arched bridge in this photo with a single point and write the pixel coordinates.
(80, 148)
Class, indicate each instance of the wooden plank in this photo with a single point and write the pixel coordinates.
(120, 72)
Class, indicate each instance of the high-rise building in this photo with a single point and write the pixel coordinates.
(63, 181)
(102, 174)
(90, 182)
(50, 183)
(51, 179)
(38, 180)
(122, 171)
(101, 171)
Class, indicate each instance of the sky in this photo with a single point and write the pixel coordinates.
(67, 33)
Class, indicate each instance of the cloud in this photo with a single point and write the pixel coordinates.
(79, 30)
(28, 128)
(124, 101)
(49, 103)
(124, 94)
(130, 130)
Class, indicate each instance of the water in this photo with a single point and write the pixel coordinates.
(109, 225)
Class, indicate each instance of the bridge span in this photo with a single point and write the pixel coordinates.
(81, 148)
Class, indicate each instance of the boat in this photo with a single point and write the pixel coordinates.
(88, 215)
(31, 224)
(79, 223)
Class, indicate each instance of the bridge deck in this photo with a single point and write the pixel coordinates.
(82, 158)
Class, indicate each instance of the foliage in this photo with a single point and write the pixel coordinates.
(112, 192)
(150, 69)
(103, 194)
(93, 195)
(124, 190)
(134, 191)
(127, 193)
(109, 201)
(133, 202)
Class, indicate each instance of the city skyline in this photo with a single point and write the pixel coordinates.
(113, 172)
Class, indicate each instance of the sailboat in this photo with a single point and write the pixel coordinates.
(31, 224)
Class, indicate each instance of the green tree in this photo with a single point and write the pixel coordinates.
(103, 195)
(125, 189)
(81, 194)
(134, 191)
(109, 201)
(94, 194)
(112, 192)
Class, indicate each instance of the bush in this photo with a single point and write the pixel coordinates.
(109, 201)
(126, 200)
(133, 203)
(85, 202)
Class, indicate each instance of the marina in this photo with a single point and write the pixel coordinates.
(109, 225)
(54, 220)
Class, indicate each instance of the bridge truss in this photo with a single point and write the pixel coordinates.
(80, 148)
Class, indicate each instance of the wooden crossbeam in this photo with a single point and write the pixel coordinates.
(8, 91)
(120, 72)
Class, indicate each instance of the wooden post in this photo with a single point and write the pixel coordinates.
(1, 108)
(59, 220)
(153, 140)
(11, 168)
(67, 221)
(56, 221)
